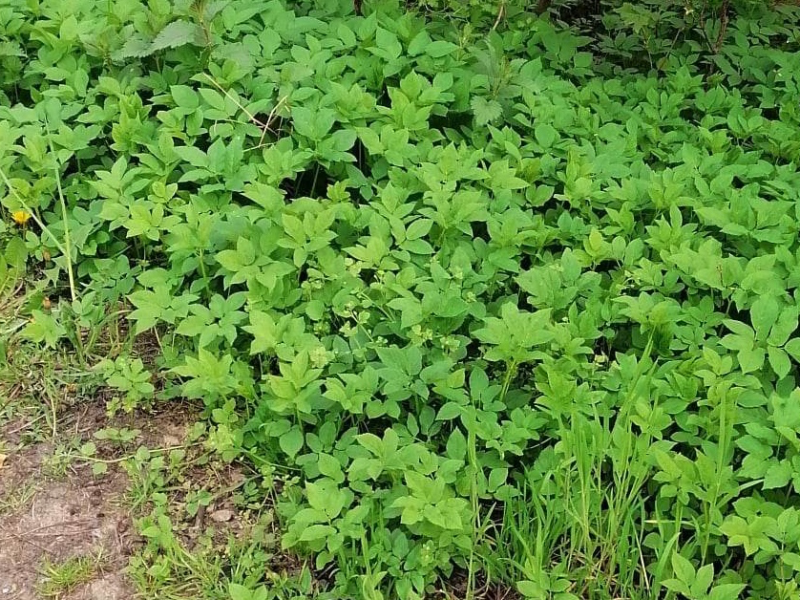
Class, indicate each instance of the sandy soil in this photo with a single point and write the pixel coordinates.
(54, 518)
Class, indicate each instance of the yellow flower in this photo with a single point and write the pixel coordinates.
(21, 217)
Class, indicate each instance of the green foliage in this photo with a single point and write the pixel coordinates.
(518, 301)
(61, 578)
(131, 379)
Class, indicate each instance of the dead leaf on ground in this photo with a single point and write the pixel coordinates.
(222, 516)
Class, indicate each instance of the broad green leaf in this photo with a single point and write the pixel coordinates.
(440, 48)
(291, 442)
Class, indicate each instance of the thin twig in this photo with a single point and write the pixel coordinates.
(32, 543)
(25, 425)
(111, 461)
(233, 99)
(44, 534)
(43, 527)
(55, 415)
(500, 13)
(270, 118)
(723, 27)
(255, 120)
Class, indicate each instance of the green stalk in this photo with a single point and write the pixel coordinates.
(63, 202)
(473, 492)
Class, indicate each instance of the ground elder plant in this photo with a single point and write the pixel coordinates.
(507, 306)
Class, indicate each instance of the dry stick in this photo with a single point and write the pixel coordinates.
(55, 415)
(723, 27)
(44, 534)
(234, 100)
(660, 64)
(25, 425)
(11, 395)
(34, 544)
(500, 14)
(264, 126)
(111, 461)
(715, 46)
(43, 527)
(270, 118)
(701, 18)
(10, 298)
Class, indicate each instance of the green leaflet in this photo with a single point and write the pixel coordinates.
(505, 296)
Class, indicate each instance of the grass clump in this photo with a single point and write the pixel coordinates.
(60, 578)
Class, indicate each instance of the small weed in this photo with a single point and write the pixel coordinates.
(167, 569)
(62, 460)
(17, 498)
(121, 437)
(60, 578)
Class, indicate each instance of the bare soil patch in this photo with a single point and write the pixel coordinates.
(64, 519)
(47, 519)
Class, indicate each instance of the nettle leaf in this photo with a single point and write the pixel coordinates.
(684, 570)
(457, 445)
(44, 328)
(240, 592)
(784, 326)
(213, 98)
(330, 467)
(779, 361)
(778, 475)
(193, 156)
(727, 591)
(185, 97)
(176, 34)
(135, 46)
(486, 111)
(419, 43)
(752, 535)
(11, 49)
(388, 44)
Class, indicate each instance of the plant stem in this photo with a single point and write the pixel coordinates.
(64, 218)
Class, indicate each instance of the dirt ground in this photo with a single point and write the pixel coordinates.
(47, 519)
(62, 520)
